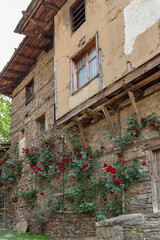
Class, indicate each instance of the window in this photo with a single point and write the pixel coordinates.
(84, 66)
(41, 124)
(77, 14)
(29, 91)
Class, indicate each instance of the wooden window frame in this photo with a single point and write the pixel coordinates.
(39, 120)
(73, 9)
(75, 59)
(30, 84)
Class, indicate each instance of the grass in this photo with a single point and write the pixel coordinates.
(10, 235)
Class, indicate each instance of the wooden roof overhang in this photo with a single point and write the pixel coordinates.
(107, 101)
(37, 25)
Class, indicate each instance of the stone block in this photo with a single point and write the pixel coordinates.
(22, 227)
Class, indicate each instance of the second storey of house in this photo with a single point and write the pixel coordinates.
(98, 42)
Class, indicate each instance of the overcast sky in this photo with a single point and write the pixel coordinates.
(10, 14)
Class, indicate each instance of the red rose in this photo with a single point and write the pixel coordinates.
(71, 153)
(76, 150)
(42, 144)
(64, 155)
(144, 163)
(14, 169)
(80, 155)
(115, 198)
(137, 130)
(123, 161)
(155, 127)
(142, 119)
(86, 149)
(132, 134)
(21, 188)
(119, 155)
(114, 176)
(102, 147)
(55, 160)
(150, 120)
(85, 166)
(105, 165)
(41, 193)
(91, 156)
(57, 177)
(73, 177)
(104, 199)
(58, 152)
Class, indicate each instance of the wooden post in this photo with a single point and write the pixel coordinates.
(108, 118)
(82, 133)
(133, 102)
(119, 121)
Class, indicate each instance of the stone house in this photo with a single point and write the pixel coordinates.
(85, 66)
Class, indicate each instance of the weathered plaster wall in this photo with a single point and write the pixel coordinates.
(120, 40)
(24, 116)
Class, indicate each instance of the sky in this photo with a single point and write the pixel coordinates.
(10, 14)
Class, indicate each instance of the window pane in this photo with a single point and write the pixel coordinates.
(42, 123)
(92, 68)
(92, 54)
(42, 129)
(82, 77)
(81, 63)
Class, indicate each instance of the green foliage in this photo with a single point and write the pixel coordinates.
(5, 118)
(29, 195)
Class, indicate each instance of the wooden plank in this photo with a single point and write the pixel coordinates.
(109, 120)
(133, 102)
(82, 134)
(104, 93)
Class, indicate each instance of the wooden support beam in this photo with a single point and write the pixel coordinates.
(50, 6)
(26, 57)
(30, 34)
(82, 134)
(33, 47)
(38, 22)
(109, 120)
(133, 102)
(22, 64)
(15, 72)
(9, 79)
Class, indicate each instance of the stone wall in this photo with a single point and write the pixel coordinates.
(130, 227)
(24, 115)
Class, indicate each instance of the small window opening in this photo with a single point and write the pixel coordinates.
(29, 91)
(78, 14)
(41, 124)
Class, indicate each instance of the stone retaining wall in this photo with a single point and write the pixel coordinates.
(130, 227)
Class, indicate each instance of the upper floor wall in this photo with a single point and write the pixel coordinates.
(124, 34)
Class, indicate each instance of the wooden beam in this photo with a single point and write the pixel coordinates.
(15, 72)
(50, 6)
(82, 134)
(10, 79)
(26, 57)
(22, 64)
(133, 102)
(108, 91)
(30, 34)
(33, 47)
(109, 120)
(38, 22)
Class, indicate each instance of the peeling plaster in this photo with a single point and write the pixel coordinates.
(139, 15)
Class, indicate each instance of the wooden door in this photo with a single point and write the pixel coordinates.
(156, 180)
